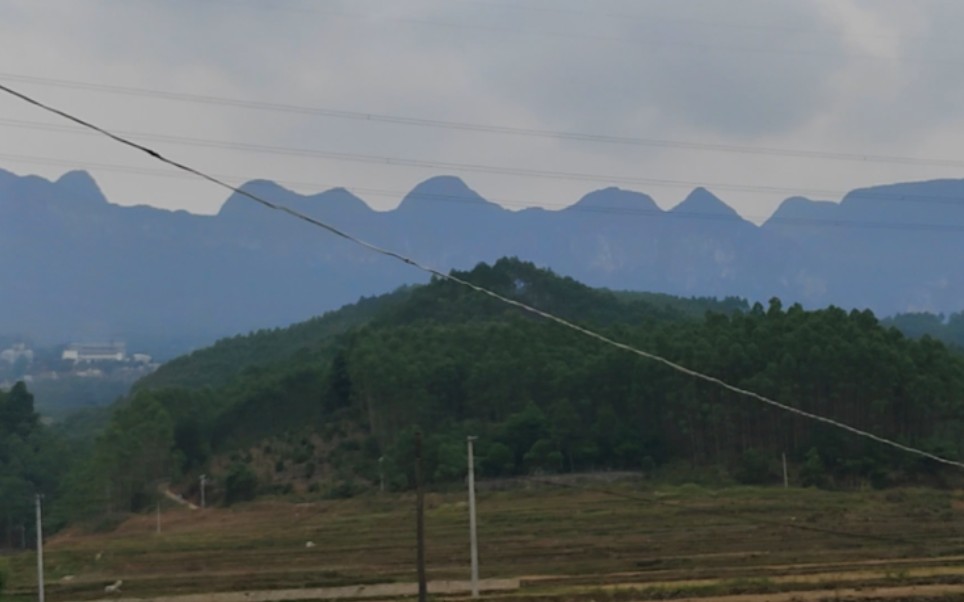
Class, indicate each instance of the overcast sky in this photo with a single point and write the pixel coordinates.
(830, 77)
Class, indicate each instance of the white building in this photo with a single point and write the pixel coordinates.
(15, 353)
(95, 352)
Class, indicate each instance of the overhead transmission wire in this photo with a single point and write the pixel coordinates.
(289, 151)
(271, 150)
(470, 167)
(480, 289)
(524, 205)
(480, 127)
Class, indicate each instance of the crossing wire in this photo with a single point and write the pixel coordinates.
(480, 289)
(480, 127)
(485, 168)
(641, 213)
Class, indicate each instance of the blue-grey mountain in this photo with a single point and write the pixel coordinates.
(77, 267)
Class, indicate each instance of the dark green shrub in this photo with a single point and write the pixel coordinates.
(240, 484)
(813, 473)
(754, 468)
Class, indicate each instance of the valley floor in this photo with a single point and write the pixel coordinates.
(538, 543)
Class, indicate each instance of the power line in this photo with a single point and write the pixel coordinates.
(519, 205)
(428, 163)
(523, 205)
(482, 168)
(480, 289)
(37, 160)
(485, 128)
(671, 214)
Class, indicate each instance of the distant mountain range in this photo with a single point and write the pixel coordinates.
(76, 267)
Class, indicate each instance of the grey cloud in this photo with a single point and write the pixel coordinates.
(903, 96)
(744, 82)
(669, 62)
(739, 71)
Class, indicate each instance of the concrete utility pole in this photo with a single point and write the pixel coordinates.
(420, 521)
(786, 480)
(381, 474)
(40, 550)
(473, 540)
(204, 480)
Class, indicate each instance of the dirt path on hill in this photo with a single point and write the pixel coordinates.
(177, 499)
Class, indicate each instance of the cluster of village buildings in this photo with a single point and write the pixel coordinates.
(86, 360)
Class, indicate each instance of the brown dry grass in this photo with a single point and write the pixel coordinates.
(564, 544)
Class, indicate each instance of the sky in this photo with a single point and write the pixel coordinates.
(531, 102)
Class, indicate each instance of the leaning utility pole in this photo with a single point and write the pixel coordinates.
(473, 540)
(40, 550)
(420, 520)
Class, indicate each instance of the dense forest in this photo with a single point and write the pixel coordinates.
(949, 329)
(330, 406)
(32, 461)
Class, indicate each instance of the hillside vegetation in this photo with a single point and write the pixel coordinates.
(180, 280)
(625, 540)
(32, 460)
(331, 406)
(219, 364)
(949, 329)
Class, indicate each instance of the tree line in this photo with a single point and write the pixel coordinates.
(336, 413)
(32, 461)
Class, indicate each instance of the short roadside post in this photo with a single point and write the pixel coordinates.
(473, 539)
(420, 521)
(786, 479)
(381, 474)
(40, 549)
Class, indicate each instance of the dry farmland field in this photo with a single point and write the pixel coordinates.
(538, 543)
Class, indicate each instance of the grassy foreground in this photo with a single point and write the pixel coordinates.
(564, 544)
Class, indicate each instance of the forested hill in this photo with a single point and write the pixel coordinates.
(949, 329)
(217, 365)
(168, 281)
(291, 411)
(32, 460)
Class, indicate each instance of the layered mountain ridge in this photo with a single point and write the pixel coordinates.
(81, 268)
